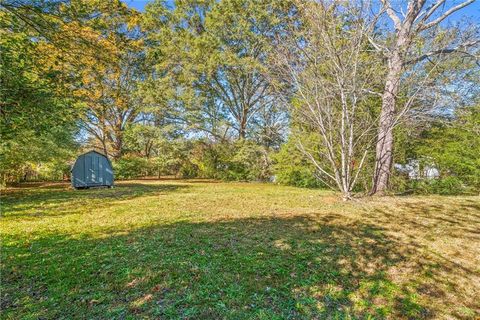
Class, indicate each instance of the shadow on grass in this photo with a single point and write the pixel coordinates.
(445, 238)
(460, 221)
(295, 268)
(46, 199)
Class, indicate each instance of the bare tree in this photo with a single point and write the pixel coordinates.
(415, 40)
(330, 66)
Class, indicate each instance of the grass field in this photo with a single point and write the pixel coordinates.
(207, 250)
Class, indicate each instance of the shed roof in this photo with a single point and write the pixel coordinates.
(93, 150)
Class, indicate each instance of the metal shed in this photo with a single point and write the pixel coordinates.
(92, 169)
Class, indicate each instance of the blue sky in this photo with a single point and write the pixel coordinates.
(137, 4)
(473, 10)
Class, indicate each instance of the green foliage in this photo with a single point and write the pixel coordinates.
(455, 147)
(37, 122)
(130, 166)
(444, 186)
(240, 160)
(451, 146)
(189, 170)
(248, 161)
(172, 157)
(234, 161)
(204, 105)
(55, 170)
(214, 73)
(144, 140)
(292, 168)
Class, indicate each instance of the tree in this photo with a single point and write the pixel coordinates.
(330, 64)
(418, 37)
(454, 146)
(108, 94)
(219, 71)
(107, 86)
(96, 49)
(37, 121)
(145, 139)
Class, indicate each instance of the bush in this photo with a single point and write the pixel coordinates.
(248, 161)
(292, 168)
(233, 161)
(54, 170)
(454, 148)
(298, 177)
(205, 159)
(448, 186)
(129, 167)
(443, 186)
(189, 170)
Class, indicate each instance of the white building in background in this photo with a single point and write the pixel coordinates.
(412, 168)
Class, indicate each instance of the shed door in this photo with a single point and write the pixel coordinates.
(101, 171)
(92, 170)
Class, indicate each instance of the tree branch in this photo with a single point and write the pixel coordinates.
(443, 16)
(460, 48)
(391, 13)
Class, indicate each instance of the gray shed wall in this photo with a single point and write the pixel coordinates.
(92, 169)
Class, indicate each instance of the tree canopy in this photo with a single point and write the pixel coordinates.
(326, 93)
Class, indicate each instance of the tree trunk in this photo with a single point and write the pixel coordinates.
(384, 149)
(118, 145)
(104, 146)
(103, 136)
(243, 129)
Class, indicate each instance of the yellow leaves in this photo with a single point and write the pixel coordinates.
(90, 41)
(89, 51)
(75, 31)
(133, 20)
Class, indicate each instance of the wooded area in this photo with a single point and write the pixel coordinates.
(364, 97)
(214, 146)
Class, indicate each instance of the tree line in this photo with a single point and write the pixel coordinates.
(352, 95)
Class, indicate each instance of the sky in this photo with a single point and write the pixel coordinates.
(472, 10)
(137, 4)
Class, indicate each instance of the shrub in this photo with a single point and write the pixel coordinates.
(248, 161)
(206, 158)
(129, 167)
(455, 149)
(292, 168)
(297, 176)
(234, 161)
(449, 185)
(54, 170)
(189, 170)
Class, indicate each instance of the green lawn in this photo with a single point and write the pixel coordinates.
(206, 250)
